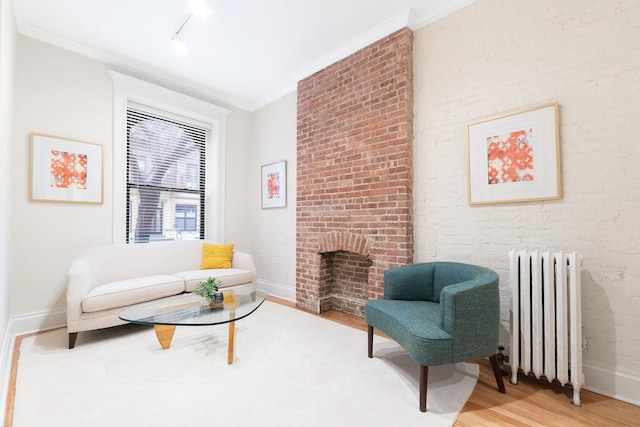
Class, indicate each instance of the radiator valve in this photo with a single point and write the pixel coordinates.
(501, 358)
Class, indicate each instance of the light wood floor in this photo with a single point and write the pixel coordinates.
(531, 402)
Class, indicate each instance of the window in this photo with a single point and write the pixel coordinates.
(186, 217)
(165, 163)
(150, 180)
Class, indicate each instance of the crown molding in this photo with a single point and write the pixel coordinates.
(435, 14)
(273, 96)
(403, 19)
(130, 66)
(406, 18)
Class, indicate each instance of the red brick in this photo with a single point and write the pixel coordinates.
(354, 185)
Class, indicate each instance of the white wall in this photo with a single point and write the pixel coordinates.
(7, 79)
(65, 94)
(274, 135)
(62, 94)
(496, 56)
(239, 230)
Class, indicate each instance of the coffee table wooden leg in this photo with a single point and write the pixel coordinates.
(164, 334)
(231, 338)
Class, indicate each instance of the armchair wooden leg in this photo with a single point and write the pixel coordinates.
(497, 373)
(370, 341)
(424, 378)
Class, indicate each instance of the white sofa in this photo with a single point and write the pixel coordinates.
(103, 280)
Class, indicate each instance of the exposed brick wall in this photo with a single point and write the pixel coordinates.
(354, 174)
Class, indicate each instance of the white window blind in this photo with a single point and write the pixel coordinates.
(165, 169)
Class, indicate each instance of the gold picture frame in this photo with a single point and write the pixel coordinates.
(65, 170)
(514, 157)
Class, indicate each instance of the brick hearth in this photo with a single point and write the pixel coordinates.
(354, 176)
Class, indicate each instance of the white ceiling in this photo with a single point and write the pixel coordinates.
(245, 53)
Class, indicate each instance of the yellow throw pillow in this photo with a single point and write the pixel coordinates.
(216, 256)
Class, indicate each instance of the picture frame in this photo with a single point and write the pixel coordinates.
(65, 170)
(274, 185)
(514, 157)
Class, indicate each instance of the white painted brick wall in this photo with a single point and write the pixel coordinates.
(497, 56)
(274, 236)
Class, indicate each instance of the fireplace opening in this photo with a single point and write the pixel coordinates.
(348, 286)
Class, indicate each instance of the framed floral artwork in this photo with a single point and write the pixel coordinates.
(514, 157)
(274, 185)
(65, 170)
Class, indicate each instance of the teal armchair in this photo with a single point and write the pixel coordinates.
(440, 313)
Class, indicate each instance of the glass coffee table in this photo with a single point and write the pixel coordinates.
(188, 310)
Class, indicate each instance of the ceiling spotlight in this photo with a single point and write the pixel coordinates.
(199, 8)
(176, 35)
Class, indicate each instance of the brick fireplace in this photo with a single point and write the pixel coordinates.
(354, 176)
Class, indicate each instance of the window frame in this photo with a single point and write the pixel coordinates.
(128, 89)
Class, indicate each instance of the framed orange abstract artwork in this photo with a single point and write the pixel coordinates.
(274, 185)
(514, 157)
(65, 170)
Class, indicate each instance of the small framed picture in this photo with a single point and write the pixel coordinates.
(274, 185)
(514, 157)
(65, 170)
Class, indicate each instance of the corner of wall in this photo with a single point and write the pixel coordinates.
(8, 35)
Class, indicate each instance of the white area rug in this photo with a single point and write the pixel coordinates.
(290, 369)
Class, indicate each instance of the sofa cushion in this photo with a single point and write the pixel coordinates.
(216, 256)
(131, 291)
(228, 276)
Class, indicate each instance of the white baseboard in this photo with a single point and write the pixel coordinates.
(6, 358)
(20, 325)
(606, 381)
(612, 383)
(35, 322)
(277, 290)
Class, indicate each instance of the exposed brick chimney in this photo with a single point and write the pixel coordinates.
(354, 175)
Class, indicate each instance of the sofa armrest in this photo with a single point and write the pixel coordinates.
(80, 280)
(244, 261)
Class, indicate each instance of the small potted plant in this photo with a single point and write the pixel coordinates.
(208, 289)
